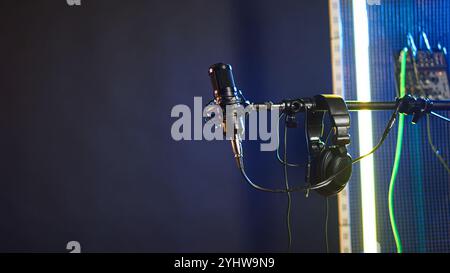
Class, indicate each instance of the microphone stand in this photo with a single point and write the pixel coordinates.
(438, 105)
(407, 105)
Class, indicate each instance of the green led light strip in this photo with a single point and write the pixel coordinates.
(398, 151)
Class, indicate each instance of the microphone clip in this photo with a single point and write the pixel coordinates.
(417, 107)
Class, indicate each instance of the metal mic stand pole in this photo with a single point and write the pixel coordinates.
(408, 105)
(376, 106)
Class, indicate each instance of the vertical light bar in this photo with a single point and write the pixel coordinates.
(361, 36)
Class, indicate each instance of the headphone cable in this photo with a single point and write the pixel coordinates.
(329, 180)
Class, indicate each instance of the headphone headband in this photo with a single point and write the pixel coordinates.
(340, 120)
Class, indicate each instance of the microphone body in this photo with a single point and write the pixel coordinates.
(227, 96)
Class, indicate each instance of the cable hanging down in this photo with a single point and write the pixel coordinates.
(289, 197)
(329, 180)
(398, 152)
(433, 147)
(283, 162)
(429, 137)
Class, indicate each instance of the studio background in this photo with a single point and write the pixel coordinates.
(86, 153)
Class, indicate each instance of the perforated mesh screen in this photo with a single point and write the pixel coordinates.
(422, 192)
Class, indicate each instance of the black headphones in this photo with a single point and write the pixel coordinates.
(325, 161)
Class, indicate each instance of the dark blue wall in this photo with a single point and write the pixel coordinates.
(86, 152)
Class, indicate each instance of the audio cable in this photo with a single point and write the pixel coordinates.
(439, 116)
(396, 166)
(429, 137)
(433, 147)
(286, 181)
(326, 223)
(329, 180)
(398, 151)
(283, 162)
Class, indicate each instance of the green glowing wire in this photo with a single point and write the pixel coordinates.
(398, 151)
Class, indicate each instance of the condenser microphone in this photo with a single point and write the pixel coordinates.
(228, 97)
(225, 90)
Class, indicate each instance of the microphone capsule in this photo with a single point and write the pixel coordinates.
(225, 90)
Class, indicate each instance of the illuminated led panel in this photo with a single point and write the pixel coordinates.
(361, 38)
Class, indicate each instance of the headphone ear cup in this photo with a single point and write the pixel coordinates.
(324, 160)
(332, 161)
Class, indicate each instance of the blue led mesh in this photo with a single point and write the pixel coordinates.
(422, 191)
